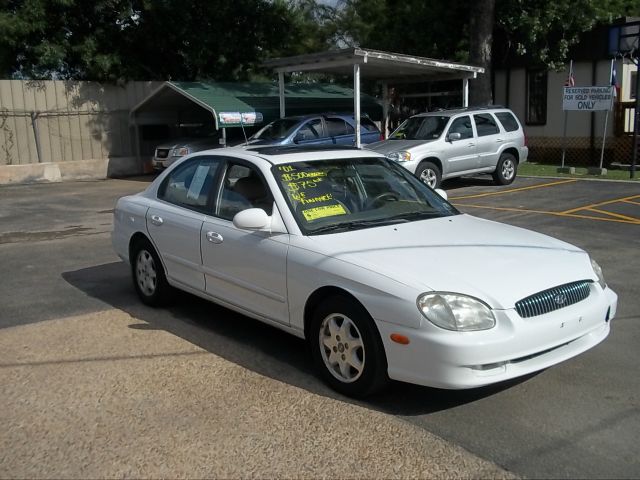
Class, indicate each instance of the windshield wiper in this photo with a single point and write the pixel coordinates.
(358, 224)
(408, 216)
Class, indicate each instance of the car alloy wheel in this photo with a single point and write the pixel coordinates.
(429, 177)
(342, 348)
(508, 169)
(429, 174)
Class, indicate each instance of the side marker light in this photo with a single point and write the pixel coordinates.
(401, 339)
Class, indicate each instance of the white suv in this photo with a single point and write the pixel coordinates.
(439, 145)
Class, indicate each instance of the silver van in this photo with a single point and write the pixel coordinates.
(435, 146)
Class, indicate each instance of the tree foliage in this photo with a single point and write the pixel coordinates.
(228, 39)
(544, 30)
(152, 39)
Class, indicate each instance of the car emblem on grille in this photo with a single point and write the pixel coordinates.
(560, 299)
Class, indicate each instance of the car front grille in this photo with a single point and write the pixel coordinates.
(162, 153)
(553, 299)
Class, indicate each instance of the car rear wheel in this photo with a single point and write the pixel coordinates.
(506, 170)
(149, 278)
(429, 174)
(346, 347)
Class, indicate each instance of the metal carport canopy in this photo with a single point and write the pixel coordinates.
(383, 66)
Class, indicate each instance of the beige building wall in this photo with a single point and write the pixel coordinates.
(83, 129)
(546, 141)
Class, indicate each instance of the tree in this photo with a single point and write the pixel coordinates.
(481, 23)
(464, 30)
(152, 39)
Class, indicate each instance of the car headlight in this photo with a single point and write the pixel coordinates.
(597, 269)
(453, 311)
(401, 156)
(180, 152)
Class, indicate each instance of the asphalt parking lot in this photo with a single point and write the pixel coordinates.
(97, 385)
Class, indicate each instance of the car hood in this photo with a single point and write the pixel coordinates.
(388, 146)
(497, 263)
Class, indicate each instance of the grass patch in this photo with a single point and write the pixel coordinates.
(536, 169)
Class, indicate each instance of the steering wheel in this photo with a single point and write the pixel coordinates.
(383, 198)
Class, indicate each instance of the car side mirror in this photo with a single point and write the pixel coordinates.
(300, 137)
(251, 219)
(454, 136)
(441, 192)
(257, 219)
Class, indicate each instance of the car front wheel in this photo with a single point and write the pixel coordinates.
(429, 173)
(506, 170)
(346, 347)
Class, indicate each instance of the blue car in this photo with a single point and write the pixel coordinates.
(323, 129)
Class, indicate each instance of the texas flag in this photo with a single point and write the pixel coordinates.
(614, 80)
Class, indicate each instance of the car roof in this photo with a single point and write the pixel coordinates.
(277, 155)
(457, 111)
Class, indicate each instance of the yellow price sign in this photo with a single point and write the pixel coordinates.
(321, 212)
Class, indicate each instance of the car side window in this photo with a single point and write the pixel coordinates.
(508, 121)
(485, 124)
(462, 125)
(337, 127)
(190, 185)
(310, 130)
(242, 188)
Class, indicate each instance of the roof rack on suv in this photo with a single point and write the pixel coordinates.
(285, 149)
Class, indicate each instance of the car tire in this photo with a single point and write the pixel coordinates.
(429, 174)
(148, 275)
(506, 169)
(346, 347)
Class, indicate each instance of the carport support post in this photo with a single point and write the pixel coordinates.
(385, 110)
(356, 101)
(281, 93)
(465, 92)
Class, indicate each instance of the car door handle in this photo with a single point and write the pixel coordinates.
(157, 220)
(214, 237)
(471, 145)
(499, 140)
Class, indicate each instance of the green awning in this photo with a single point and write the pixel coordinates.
(252, 103)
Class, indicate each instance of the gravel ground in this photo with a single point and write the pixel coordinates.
(106, 395)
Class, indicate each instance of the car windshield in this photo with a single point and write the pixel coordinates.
(421, 128)
(328, 196)
(276, 130)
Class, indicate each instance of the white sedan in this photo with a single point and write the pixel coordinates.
(379, 273)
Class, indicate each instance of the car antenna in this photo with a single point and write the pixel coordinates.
(246, 141)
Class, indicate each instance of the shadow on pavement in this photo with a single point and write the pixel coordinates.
(252, 344)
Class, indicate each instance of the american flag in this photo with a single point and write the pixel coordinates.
(570, 82)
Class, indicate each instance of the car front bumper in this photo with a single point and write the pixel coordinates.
(515, 347)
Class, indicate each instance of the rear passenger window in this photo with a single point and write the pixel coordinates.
(508, 121)
(368, 124)
(485, 124)
(337, 127)
(190, 184)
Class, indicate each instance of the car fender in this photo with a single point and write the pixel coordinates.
(386, 299)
